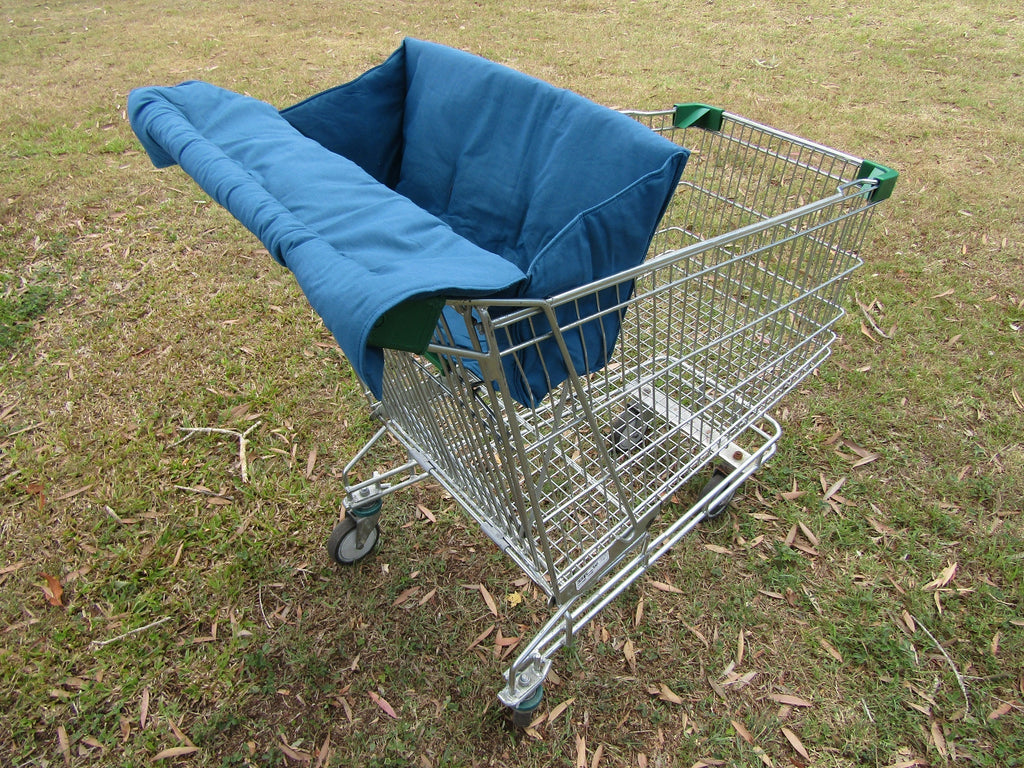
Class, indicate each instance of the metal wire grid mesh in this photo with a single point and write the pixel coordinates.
(731, 311)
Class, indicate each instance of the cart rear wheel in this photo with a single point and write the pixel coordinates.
(629, 430)
(343, 545)
(717, 508)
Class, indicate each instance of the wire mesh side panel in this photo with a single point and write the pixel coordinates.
(766, 228)
(733, 308)
(744, 173)
(444, 416)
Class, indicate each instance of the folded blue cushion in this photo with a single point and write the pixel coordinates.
(437, 173)
(357, 248)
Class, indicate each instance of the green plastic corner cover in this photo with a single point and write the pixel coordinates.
(436, 175)
(885, 176)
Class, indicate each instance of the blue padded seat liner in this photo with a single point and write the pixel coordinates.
(507, 187)
(356, 247)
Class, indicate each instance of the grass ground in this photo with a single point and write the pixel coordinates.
(155, 608)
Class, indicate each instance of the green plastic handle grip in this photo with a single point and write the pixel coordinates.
(885, 176)
(697, 116)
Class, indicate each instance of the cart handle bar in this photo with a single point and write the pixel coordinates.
(696, 115)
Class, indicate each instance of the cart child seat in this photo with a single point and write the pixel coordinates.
(436, 175)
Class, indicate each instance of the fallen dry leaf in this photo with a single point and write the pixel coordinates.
(72, 494)
(179, 733)
(294, 754)
(39, 491)
(882, 528)
(581, 752)
(742, 731)
(700, 636)
(660, 585)
(65, 744)
(833, 489)
(426, 513)
(911, 624)
(831, 650)
(53, 590)
(174, 752)
(404, 595)
(481, 637)
(943, 578)
(808, 534)
(795, 742)
(939, 739)
(381, 702)
(738, 681)
(630, 653)
(717, 688)
(491, 605)
(595, 761)
(667, 694)
(926, 711)
(92, 743)
(560, 709)
(324, 753)
(999, 711)
(717, 549)
(785, 698)
(867, 459)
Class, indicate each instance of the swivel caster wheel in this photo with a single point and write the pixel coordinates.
(717, 508)
(629, 430)
(355, 536)
(522, 715)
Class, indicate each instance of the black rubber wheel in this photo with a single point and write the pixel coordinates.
(717, 478)
(629, 431)
(522, 715)
(342, 546)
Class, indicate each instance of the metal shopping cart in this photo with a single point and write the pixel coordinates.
(573, 389)
(733, 307)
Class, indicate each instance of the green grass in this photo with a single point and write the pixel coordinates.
(132, 308)
(19, 308)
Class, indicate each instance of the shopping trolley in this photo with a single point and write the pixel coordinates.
(574, 390)
(734, 306)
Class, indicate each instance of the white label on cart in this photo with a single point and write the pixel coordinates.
(598, 564)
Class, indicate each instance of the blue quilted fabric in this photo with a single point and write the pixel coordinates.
(437, 173)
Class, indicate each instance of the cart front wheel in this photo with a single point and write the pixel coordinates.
(522, 715)
(717, 508)
(343, 545)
